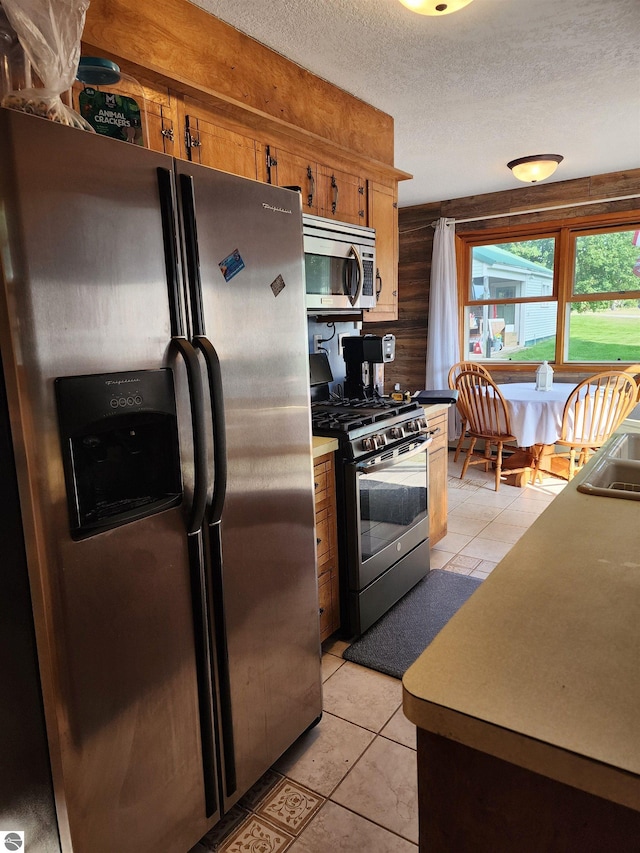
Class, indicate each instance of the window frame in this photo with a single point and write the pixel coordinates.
(565, 232)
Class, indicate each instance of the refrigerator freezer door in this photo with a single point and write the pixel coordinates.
(84, 291)
(26, 790)
(252, 276)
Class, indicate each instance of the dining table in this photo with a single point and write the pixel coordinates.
(536, 420)
(536, 416)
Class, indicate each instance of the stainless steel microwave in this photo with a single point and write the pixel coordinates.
(340, 265)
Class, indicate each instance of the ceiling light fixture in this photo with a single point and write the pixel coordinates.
(535, 168)
(434, 7)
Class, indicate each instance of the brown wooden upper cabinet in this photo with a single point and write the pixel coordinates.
(326, 191)
(287, 169)
(382, 201)
(221, 148)
(161, 129)
(342, 196)
(160, 132)
(190, 129)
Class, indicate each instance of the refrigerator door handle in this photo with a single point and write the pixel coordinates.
(195, 516)
(214, 512)
(202, 638)
(214, 521)
(214, 376)
(167, 213)
(222, 658)
(192, 255)
(187, 198)
(199, 585)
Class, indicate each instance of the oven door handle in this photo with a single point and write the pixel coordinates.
(389, 463)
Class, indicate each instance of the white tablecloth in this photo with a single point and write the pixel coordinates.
(536, 416)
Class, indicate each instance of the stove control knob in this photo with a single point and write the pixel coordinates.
(396, 432)
(373, 442)
(417, 425)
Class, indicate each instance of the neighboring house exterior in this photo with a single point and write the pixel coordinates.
(498, 274)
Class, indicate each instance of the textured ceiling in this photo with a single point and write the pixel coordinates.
(472, 90)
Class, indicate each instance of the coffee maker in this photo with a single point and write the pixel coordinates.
(360, 355)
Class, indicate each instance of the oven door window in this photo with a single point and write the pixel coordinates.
(331, 276)
(392, 501)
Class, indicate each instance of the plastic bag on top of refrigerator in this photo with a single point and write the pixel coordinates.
(49, 32)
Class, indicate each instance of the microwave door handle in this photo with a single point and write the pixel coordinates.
(354, 298)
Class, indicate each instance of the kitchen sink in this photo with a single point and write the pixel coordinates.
(625, 446)
(617, 473)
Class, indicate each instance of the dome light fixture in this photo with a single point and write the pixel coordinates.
(435, 7)
(535, 168)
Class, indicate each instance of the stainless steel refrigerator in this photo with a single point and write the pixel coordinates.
(158, 592)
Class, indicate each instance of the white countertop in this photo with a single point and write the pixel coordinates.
(432, 409)
(321, 446)
(541, 667)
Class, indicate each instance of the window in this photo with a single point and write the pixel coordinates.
(569, 294)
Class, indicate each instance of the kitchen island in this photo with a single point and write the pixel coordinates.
(528, 702)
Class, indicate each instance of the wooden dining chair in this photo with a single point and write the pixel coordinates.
(593, 411)
(487, 419)
(455, 371)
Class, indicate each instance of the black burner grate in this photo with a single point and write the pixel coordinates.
(344, 416)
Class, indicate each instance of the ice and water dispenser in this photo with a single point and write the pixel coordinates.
(119, 437)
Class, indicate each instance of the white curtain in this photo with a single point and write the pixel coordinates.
(443, 345)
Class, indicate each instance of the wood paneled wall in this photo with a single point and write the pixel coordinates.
(416, 246)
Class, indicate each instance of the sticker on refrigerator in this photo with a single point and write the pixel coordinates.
(277, 285)
(231, 265)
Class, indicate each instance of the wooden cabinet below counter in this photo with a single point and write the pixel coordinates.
(327, 545)
(438, 474)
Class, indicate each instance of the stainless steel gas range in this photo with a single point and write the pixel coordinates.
(382, 498)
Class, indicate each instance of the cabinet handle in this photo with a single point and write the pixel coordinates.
(316, 485)
(321, 610)
(334, 187)
(378, 284)
(312, 186)
(318, 541)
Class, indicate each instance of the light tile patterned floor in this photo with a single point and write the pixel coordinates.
(349, 784)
